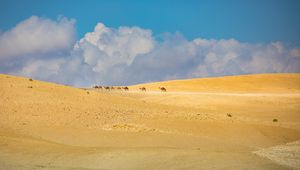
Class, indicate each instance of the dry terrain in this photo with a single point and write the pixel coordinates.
(235, 122)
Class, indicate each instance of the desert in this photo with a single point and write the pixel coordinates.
(231, 122)
(149, 85)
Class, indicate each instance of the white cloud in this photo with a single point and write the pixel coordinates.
(106, 47)
(295, 52)
(129, 55)
(37, 35)
(41, 68)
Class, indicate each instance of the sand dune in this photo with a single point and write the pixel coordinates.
(211, 123)
(257, 83)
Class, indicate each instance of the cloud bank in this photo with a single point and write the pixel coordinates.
(46, 49)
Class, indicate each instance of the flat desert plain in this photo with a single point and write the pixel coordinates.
(234, 122)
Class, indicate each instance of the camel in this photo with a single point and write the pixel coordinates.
(98, 87)
(163, 89)
(143, 88)
(126, 88)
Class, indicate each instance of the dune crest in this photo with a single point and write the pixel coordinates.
(255, 83)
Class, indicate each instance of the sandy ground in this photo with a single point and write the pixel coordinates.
(215, 123)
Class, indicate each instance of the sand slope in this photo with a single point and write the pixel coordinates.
(49, 126)
(256, 83)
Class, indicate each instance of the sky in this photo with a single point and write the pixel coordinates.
(116, 42)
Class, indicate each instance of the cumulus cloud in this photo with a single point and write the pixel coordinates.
(177, 57)
(37, 36)
(129, 55)
(106, 47)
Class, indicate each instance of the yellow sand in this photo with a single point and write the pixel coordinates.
(266, 83)
(49, 126)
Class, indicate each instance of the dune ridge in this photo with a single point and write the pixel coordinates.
(253, 83)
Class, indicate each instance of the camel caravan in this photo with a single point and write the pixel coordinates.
(125, 88)
(111, 88)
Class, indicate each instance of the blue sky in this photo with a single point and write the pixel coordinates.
(114, 42)
(244, 20)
